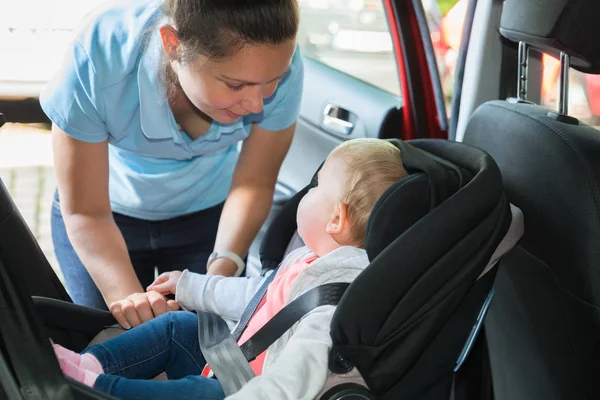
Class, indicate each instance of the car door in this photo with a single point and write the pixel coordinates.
(366, 75)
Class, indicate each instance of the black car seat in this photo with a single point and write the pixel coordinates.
(429, 239)
(543, 328)
(433, 240)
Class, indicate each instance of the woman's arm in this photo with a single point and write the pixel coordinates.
(251, 193)
(82, 176)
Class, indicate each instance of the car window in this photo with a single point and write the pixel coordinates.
(351, 36)
(445, 20)
(34, 35)
(584, 91)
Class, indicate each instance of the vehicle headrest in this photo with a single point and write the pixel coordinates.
(552, 26)
(407, 201)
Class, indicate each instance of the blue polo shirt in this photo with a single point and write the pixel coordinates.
(109, 88)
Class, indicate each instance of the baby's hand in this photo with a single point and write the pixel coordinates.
(166, 283)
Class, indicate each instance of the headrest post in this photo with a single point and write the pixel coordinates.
(565, 66)
(523, 71)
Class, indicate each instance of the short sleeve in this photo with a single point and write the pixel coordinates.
(71, 99)
(285, 107)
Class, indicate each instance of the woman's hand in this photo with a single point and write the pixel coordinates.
(166, 283)
(138, 308)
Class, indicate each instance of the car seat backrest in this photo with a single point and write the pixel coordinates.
(543, 327)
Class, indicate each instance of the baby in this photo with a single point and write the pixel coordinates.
(332, 219)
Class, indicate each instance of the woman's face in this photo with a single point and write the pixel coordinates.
(228, 89)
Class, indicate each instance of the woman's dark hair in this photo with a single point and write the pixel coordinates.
(218, 29)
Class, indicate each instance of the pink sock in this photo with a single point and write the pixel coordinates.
(85, 361)
(77, 373)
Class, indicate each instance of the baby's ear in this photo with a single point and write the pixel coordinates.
(338, 223)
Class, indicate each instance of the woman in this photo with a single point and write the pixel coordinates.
(148, 111)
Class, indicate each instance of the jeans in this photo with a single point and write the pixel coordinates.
(168, 344)
(175, 244)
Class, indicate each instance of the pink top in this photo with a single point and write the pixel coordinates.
(272, 303)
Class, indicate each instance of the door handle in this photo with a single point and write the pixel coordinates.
(338, 120)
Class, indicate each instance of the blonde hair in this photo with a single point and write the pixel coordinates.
(373, 166)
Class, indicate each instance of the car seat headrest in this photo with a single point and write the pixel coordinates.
(431, 181)
(407, 201)
(555, 26)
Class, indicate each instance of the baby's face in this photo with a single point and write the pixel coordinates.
(319, 205)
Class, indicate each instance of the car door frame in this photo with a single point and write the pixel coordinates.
(423, 107)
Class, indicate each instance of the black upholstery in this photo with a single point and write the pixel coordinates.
(428, 185)
(19, 247)
(275, 241)
(543, 327)
(443, 222)
(552, 26)
(405, 341)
